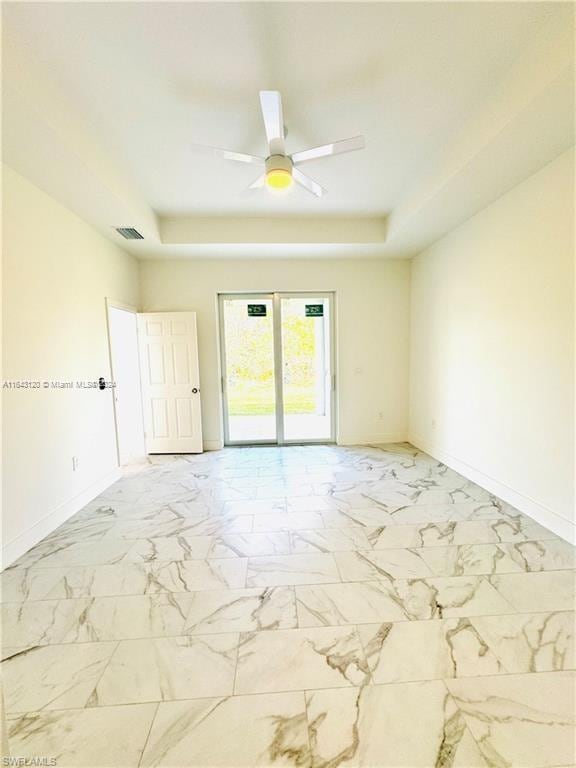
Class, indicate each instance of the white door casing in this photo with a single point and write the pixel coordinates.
(170, 382)
(123, 337)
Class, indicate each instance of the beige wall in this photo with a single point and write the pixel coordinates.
(372, 330)
(57, 272)
(492, 347)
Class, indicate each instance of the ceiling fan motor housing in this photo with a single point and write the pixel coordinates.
(278, 163)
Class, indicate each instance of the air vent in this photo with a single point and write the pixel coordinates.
(129, 233)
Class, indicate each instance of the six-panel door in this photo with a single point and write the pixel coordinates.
(170, 382)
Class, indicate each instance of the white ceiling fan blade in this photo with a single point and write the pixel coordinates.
(259, 182)
(336, 148)
(228, 154)
(240, 157)
(308, 183)
(271, 104)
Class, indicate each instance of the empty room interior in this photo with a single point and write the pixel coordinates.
(288, 384)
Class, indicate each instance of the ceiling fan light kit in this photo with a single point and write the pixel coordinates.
(280, 169)
(278, 172)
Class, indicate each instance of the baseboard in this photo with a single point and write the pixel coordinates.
(354, 439)
(26, 540)
(534, 509)
(378, 438)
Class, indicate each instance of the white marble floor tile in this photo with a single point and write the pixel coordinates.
(80, 529)
(249, 545)
(256, 506)
(241, 731)
(35, 623)
(499, 530)
(546, 555)
(168, 549)
(423, 513)
(311, 503)
(371, 602)
(277, 570)
(96, 619)
(452, 597)
(54, 555)
(472, 559)
(419, 493)
(427, 650)
(348, 497)
(500, 558)
(300, 659)
(366, 517)
(329, 540)
(113, 737)
(495, 510)
(361, 580)
(407, 725)
(183, 526)
(240, 610)
(341, 604)
(150, 578)
(520, 720)
(53, 676)
(20, 584)
(97, 510)
(290, 490)
(411, 536)
(287, 521)
(536, 592)
(386, 564)
(168, 668)
(198, 575)
(202, 506)
(537, 642)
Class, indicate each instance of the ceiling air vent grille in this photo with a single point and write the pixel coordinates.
(129, 233)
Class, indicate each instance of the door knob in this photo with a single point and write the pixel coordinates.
(195, 390)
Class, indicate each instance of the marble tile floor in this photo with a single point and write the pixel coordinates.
(306, 606)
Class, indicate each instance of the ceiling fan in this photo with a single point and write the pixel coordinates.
(280, 169)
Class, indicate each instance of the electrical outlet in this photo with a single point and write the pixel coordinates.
(74, 463)
(433, 423)
(381, 415)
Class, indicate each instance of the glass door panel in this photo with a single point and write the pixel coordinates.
(306, 367)
(248, 368)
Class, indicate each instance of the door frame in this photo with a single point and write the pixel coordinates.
(276, 298)
(114, 304)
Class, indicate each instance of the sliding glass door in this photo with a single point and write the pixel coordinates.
(306, 367)
(248, 368)
(277, 367)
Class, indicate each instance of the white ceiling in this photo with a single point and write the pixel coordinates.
(137, 84)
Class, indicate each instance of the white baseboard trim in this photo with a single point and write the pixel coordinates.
(375, 439)
(379, 438)
(26, 540)
(539, 512)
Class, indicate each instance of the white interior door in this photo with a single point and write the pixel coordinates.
(170, 382)
(123, 332)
